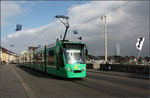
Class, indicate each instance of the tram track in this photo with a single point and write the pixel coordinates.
(121, 74)
(121, 86)
(117, 90)
(87, 84)
(94, 85)
(136, 82)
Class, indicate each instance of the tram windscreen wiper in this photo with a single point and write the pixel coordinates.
(80, 62)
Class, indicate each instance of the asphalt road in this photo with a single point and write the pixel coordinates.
(10, 86)
(40, 85)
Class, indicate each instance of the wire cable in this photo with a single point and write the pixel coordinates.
(84, 22)
(69, 11)
(104, 14)
(72, 7)
(47, 28)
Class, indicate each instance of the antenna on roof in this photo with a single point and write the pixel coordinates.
(65, 23)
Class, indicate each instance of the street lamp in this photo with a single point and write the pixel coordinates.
(105, 39)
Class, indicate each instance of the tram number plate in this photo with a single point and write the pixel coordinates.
(77, 71)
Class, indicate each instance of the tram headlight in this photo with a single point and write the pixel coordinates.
(69, 68)
(83, 67)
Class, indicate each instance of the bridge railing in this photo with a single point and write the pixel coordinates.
(141, 69)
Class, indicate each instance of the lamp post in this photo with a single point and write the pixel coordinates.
(105, 39)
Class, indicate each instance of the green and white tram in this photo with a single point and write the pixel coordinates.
(64, 59)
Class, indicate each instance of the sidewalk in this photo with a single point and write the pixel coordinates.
(132, 75)
(10, 86)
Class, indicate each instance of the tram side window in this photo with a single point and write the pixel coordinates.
(39, 56)
(31, 57)
(51, 58)
(35, 57)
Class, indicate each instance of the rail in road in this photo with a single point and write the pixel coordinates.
(95, 85)
(125, 74)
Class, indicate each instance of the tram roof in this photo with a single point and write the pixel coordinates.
(54, 44)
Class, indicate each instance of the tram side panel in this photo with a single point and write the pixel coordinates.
(32, 59)
(61, 68)
(39, 61)
(54, 60)
(51, 61)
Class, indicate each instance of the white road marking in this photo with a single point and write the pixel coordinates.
(25, 86)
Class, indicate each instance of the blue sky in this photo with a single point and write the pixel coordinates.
(40, 27)
(36, 14)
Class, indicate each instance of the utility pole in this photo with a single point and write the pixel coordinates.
(105, 40)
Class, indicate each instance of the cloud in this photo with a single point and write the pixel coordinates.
(8, 10)
(123, 26)
(33, 37)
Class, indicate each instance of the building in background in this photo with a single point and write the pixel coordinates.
(27, 54)
(7, 57)
(32, 48)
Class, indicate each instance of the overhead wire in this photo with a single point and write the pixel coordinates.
(84, 22)
(104, 14)
(69, 11)
(72, 7)
(118, 7)
(47, 28)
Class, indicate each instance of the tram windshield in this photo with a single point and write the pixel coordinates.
(74, 56)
